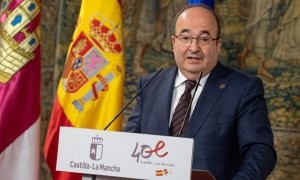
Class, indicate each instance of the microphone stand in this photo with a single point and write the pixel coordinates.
(129, 102)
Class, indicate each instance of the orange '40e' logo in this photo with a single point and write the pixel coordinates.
(146, 151)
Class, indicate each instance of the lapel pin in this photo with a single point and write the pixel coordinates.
(222, 86)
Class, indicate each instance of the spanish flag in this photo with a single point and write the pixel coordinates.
(20, 73)
(90, 92)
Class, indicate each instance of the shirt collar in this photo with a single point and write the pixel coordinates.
(180, 78)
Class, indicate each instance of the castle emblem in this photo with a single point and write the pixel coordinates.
(96, 148)
(18, 37)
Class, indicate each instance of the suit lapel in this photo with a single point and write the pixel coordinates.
(213, 89)
(164, 94)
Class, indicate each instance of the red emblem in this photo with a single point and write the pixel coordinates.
(75, 81)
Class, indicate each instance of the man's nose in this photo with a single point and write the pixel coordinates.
(194, 46)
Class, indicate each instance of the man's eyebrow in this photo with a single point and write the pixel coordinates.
(201, 32)
(184, 30)
(204, 32)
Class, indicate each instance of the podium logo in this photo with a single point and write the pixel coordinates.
(96, 149)
(145, 151)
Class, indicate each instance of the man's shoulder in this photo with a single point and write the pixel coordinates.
(237, 75)
(165, 72)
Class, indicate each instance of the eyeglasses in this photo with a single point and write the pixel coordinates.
(201, 40)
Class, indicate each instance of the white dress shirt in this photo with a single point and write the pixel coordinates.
(179, 87)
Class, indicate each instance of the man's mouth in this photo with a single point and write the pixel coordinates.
(194, 58)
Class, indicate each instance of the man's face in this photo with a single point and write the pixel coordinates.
(194, 58)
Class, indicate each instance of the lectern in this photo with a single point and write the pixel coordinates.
(108, 155)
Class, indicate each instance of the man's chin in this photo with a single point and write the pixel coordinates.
(195, 70)
(195, 67)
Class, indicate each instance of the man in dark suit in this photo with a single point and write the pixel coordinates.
(228, 118)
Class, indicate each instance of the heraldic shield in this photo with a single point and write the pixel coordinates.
(96, 148)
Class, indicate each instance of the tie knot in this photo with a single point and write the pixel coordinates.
(189, 85)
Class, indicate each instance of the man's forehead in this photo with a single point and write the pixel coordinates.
(196, 12)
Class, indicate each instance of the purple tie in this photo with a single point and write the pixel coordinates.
(178, 127)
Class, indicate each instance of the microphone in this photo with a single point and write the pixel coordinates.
(129, 102)
(189, 107)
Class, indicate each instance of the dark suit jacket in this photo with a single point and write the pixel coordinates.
(230, 126)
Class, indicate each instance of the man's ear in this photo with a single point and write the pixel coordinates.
(173, 39)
